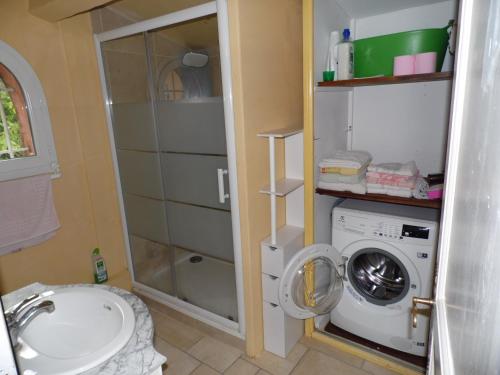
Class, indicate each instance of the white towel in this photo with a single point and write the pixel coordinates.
(359, 188)
(389, 190)
(406, 169)
(347, 159)
(421, 188)
(27, 214)
(337, 177)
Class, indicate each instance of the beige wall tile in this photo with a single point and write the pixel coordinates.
(241, 367)
(163, 46)
(277, 365)
(133, 44)
(111, 19)
(204, 370)
(127, 75)
(215, 353)
(376, 370)
(317, 363)
(200, 326)
(332, 352)
(263, 372)
(178, 362)
(174, 332)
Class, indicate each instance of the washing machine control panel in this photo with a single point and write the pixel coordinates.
(386, 228)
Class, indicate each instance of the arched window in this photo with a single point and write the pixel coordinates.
(26, 141)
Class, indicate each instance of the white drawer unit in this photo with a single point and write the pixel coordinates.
(281, 332)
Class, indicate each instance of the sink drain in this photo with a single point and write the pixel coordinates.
(196, 259)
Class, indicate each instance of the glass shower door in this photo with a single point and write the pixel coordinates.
(192, 139)
(127, 73)
(168, 121)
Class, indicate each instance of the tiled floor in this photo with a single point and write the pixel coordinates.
(194, 348)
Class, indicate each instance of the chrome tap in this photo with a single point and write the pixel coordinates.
(17, 324)
(12, 313)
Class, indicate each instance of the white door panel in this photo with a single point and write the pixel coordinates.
(467, 326)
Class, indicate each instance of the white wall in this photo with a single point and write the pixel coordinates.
(328, 16)
(399, 123)
(404, 122)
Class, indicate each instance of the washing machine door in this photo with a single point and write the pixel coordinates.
(312, 282)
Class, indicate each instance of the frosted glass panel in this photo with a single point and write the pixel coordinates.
(146, 218)
(193, 126)
(193, 179)
(133, 126)
(140, 173)
(204, 230)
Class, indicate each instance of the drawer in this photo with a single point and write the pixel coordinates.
(289, 241)
(281, 332)
(273, 260)
(270, 287)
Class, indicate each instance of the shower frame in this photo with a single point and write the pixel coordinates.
(220, 9)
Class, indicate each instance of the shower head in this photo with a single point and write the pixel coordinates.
(194, 59)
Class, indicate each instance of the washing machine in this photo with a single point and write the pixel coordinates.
(382, 255)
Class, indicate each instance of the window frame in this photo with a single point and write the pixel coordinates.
(45, 161)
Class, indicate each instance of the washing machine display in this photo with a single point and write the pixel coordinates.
(378, 276)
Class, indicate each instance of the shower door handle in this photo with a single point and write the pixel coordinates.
(220, 180)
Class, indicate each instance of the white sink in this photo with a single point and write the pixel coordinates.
(89, 325)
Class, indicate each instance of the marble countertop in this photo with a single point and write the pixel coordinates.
(137, 357)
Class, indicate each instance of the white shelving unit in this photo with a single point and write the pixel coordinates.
(281, 332)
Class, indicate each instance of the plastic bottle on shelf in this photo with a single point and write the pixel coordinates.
(331, 57)
(345, 52)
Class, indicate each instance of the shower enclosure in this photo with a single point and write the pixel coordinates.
(167, 90)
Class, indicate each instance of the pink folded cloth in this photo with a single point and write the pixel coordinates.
(27, 214)
(390, 179)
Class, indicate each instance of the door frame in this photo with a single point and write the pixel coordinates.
(220, 8)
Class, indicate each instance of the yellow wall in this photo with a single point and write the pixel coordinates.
(55, 10)
(267, 75)
(63, 56)
(266, 48)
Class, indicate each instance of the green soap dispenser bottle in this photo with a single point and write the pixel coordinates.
(100, 272)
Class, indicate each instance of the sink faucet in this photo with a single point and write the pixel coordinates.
(17, 323)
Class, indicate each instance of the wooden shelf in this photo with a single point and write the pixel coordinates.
(373, 81)
(280, 133)
(283, 187)
(383, 198)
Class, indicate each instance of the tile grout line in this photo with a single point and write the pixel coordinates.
(196, 368)
(232, 363)
(300, 360)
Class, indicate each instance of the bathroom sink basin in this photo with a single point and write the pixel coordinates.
(89, 325)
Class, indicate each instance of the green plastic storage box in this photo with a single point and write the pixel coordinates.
(375, 56)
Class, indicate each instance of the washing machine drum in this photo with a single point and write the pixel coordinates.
(378, 276)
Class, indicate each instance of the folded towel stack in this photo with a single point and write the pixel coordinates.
(394, 179)
(345, 171)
